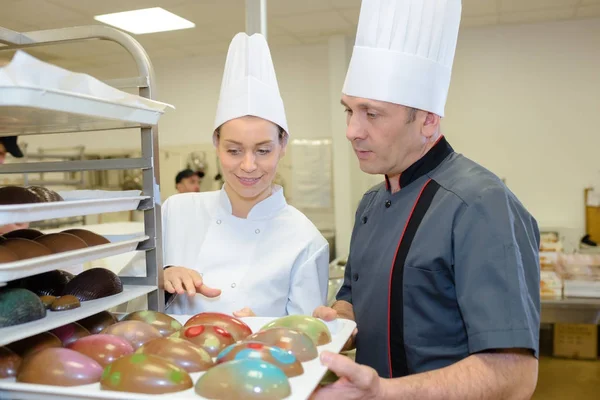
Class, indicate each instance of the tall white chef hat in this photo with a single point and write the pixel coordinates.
(249, 85)
(404, 52)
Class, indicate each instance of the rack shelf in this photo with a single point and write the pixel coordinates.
(55, 319)
(40, 98)
(33, 266)
(26, 111)
(10, 214)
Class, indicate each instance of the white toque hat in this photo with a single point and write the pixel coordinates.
(404, 52)
(249, 85)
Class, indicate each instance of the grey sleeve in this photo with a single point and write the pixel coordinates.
(497, 273)
(345, 292)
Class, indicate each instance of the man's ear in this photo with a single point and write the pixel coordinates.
(431, 126)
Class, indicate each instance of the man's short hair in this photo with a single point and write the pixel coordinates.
(187, 173)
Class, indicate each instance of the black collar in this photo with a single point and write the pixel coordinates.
(434, 157)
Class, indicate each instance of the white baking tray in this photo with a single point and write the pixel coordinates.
(37, 97)
(302, 386)
(55, 319)
(38, 265)
(76, 203)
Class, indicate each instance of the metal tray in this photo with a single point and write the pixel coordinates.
(55, 319)
(71, 207)
(31, 110)
(38, 265)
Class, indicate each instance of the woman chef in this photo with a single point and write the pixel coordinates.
(243, 249)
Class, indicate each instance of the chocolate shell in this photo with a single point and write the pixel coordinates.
(35, 343)
(180, 352)
(18, 306)
(30, 234)
(294, 342)
(70, 333)
(142, 373)
(135, 332)
(7, 255)
(51, 283)
(45, 194)
(25, 248)
(244, 379)
(60, 242)
(236, 327)
(66, 302)
(94, 283)
(165, 324)
(98, 322)
(280, 358)
(9, 363)
(104, 349)
(17, 195)
(47, 301)
(211, 338)
(313, 327)
(59, 367)
(90, 238)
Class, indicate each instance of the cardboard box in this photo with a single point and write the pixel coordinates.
(579, 341)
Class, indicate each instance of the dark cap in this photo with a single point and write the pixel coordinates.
(11, 146)
(187, 173)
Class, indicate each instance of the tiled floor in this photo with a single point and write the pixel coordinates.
(568, 379)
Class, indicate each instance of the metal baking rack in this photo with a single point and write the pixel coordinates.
(34, 111)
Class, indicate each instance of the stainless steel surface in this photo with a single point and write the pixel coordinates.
(571, 311)
(128, 83)
(81, 33)
(79, 165)
(9, 37)
(145, 83)
(256, 17)
(153, 218)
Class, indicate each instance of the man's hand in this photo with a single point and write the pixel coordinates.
(244, 312)
(325, 313)
(181, 280)
(356, 381)
(329, 314)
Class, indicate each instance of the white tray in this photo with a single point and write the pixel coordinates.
(77, 203)
(38, 265)
(302, 386)
(55, 319)
(37, 97)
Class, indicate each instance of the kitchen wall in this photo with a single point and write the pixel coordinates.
(523, 103)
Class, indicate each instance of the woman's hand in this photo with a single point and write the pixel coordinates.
(181, 280)
(244, 312)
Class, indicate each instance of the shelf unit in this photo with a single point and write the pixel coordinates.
(26, 110)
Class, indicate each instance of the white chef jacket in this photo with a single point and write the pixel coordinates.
(275, 261)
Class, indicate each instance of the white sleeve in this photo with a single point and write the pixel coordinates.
(167, 235)
(309, 283)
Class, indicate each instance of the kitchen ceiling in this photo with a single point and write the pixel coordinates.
(290, 22)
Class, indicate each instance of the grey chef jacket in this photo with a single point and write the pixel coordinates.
(446, 267)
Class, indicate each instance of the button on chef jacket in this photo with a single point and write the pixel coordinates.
(275, 261)
(464, 280)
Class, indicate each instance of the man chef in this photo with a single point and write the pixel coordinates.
(443, 273)
(188, 181)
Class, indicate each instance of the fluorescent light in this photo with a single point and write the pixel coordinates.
(147, 20)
